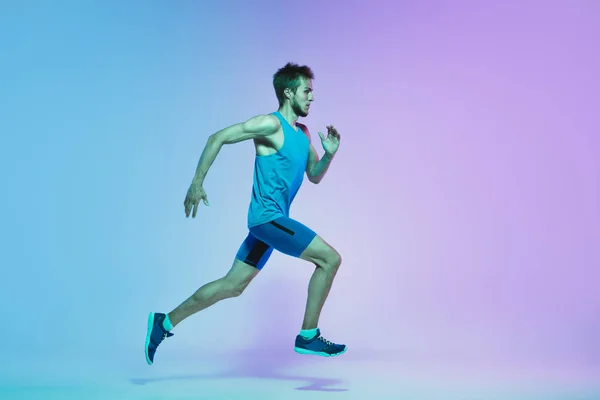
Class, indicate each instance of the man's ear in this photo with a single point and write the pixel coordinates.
(288, 93)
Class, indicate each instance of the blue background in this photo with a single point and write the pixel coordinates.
(464, 199)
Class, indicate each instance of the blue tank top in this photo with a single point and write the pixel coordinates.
(278, 177)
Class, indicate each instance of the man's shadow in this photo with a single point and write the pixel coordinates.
(277, 353)
(258, 364)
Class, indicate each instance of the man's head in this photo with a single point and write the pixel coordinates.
(293, 85)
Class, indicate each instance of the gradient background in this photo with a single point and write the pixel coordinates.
(464, 198)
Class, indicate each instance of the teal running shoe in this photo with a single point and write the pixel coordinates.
(318, 346)
(155, 335)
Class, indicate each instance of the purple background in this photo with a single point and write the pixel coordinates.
(464, 198)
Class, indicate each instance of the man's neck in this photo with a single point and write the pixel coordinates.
(289, 115)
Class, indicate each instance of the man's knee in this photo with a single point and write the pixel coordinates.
(234, 288)
(322, 254)
(237, 291)
(332, 260)
(238, 279)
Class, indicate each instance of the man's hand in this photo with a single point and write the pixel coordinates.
(194, 194)
(332, 141)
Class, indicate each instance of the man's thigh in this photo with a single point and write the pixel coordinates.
(285, 235)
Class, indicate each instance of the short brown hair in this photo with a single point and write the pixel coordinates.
(289, 77)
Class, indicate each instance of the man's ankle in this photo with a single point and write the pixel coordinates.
(308, 333)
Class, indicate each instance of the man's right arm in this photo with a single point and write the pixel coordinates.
(256, 127)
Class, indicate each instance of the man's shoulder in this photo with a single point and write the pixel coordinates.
(267, 123)
(270, 119)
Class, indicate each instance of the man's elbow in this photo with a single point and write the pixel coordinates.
(314, 179)
(214, 138)
(217, 140)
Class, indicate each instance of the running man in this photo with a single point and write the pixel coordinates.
(283, 154)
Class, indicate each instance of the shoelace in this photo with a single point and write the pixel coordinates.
(325, 340)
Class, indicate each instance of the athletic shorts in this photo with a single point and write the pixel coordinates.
(284, 234)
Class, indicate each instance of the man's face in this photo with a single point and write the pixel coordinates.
(301, 100)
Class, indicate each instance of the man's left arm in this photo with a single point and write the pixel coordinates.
(317, 168)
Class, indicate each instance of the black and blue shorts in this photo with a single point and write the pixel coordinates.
(284, 234)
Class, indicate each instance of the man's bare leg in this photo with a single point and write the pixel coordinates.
(318, 290)
(327, 261)
(231, 285)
